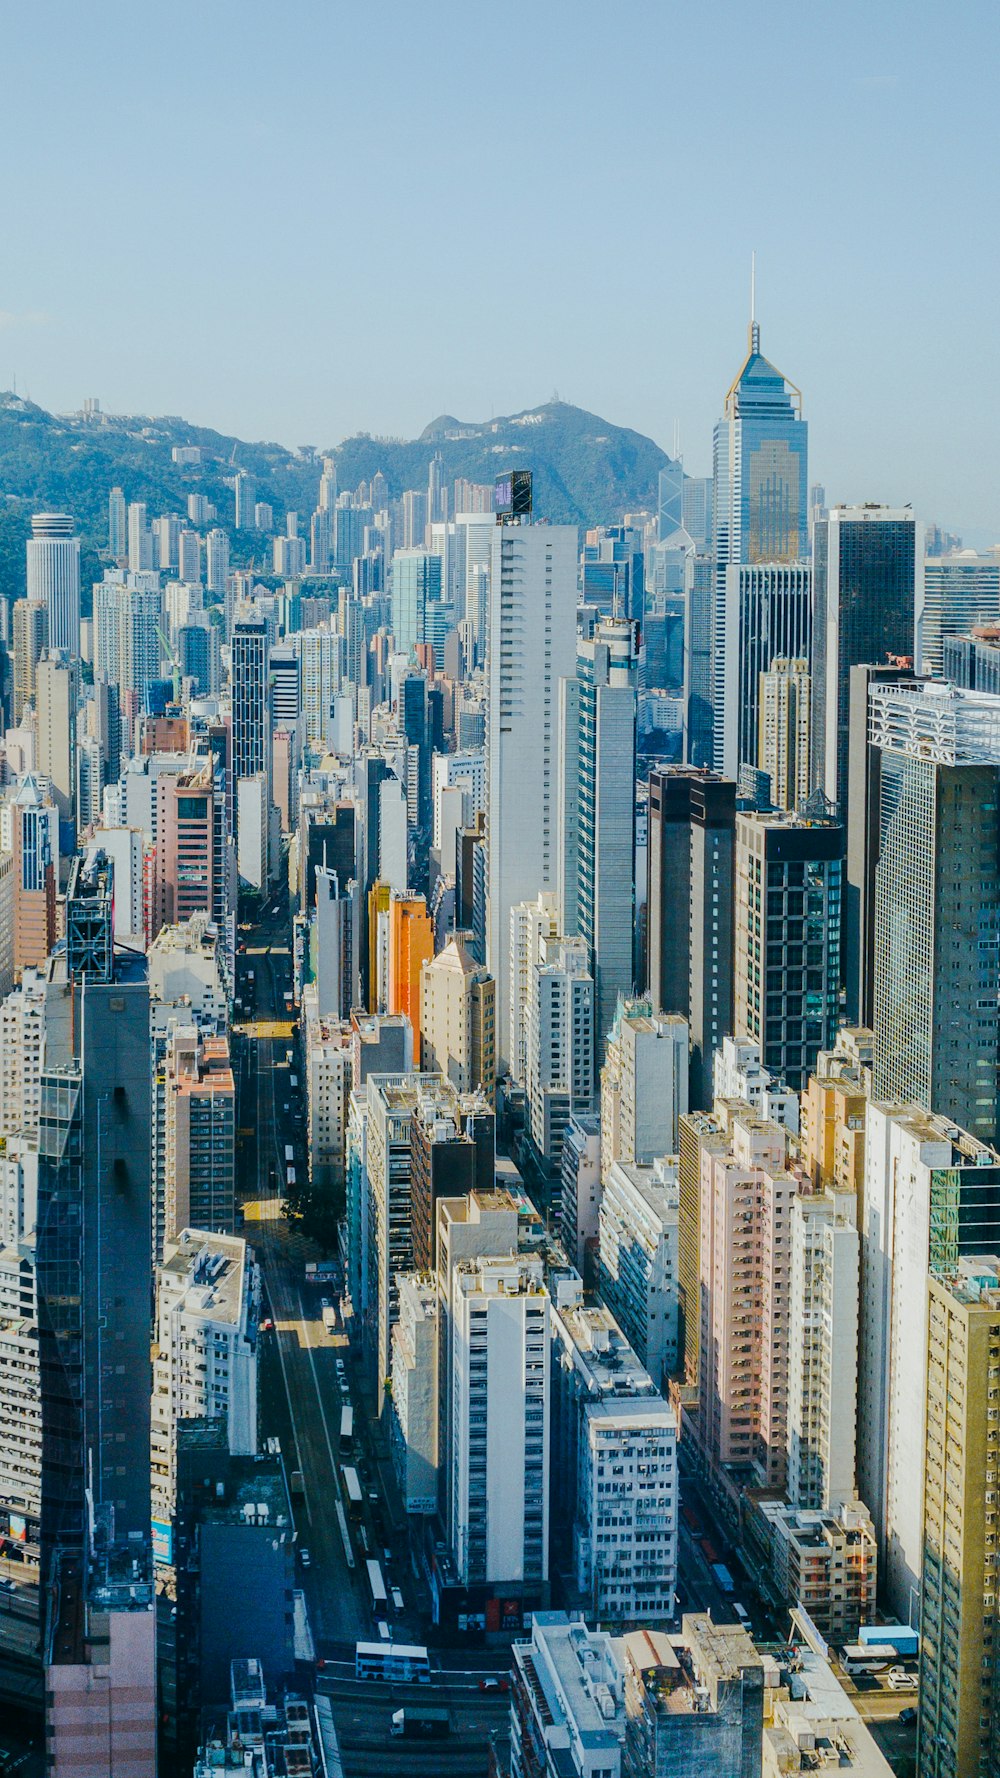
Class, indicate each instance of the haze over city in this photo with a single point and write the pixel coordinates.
(298, 224)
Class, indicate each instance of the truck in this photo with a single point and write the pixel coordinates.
(419, 1722)
(297, 1487)
(330, 1320)
(723, 1579)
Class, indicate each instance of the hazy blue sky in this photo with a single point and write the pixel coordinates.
(296, 220)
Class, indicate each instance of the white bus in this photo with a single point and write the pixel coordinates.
(398, 1662)
(377, 1585)
(353, 1488)
(346, 1430)
(289, 1153)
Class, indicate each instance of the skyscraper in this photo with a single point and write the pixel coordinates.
(416, 583)
(760, 506)
(248, 673)
(937, 902)
(531, 646)
(691, 849)
(787, 941)
(957, 592)
(597, 811)
(216, 561)
(117, 527)
(93, 1257)
(31, 635)
(867, 572)
(57, 701)
(54, 576)
(766, 615)
(783, 745)
(246, 501)
(864, 769)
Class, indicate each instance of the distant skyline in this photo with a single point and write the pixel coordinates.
(304, 224)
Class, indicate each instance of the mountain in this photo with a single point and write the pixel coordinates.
(586, 470)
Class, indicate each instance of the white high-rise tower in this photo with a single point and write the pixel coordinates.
(54, 576)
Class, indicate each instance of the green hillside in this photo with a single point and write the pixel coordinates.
(586, 470)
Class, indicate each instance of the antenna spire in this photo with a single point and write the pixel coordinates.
(754, 323)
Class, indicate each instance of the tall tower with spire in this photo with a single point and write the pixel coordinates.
(761, 508)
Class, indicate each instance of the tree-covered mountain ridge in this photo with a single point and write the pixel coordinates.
(586, 470)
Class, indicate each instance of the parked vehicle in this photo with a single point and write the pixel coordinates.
(419, 1723)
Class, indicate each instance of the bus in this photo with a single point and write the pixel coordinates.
(352, 1488)
(346, 1430)
(329, 1319)
(376, 1585)
(723, 1579)
(289, 1175)
(289, 1153)
(398, 1662)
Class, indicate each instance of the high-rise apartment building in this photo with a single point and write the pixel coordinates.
(216, 561)
(246, 500)
(200, 1134)
(560, 1044)
(783, 739)
(204, 1356)
(616, 1472)
(691, 886)
(931, 1197)
(458, 1019)
(414, 1431)
(531, 645)
(411, 945)
(117, 527)
(54, 576)
(498, 1460)
(937, 903)
(194, 853)
(644, 1085)
(823, 1349)
(693, 1701)
(787, 941)
(452, 1151)
(140, 539)
(596, 869)
(29, 830)
(57, 701)
(31, 639)
(958, 593)
(867, 580)
(746, 1201)
(637, 1260)
(959, 1706)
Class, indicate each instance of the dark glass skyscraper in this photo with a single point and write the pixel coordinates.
(866, 563)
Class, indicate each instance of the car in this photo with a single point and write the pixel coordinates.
(340, 1363)
(305, 1558)
(7, 1585)
(267, 1325)
(494, 1684)
(325, 1303)
(898, 1681)
(908, 1716)
(397, 1598)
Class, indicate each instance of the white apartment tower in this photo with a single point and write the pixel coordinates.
(205, 1356)
(531, 645)
(823, 1350)
(499, 1460)
(54, 576)
(560, 1043)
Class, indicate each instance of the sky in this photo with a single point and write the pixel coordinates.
(302, 220)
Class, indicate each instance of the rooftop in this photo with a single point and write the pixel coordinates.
(206, 1273)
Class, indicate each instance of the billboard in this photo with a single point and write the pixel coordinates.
(163, 1542)
(512, 494)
